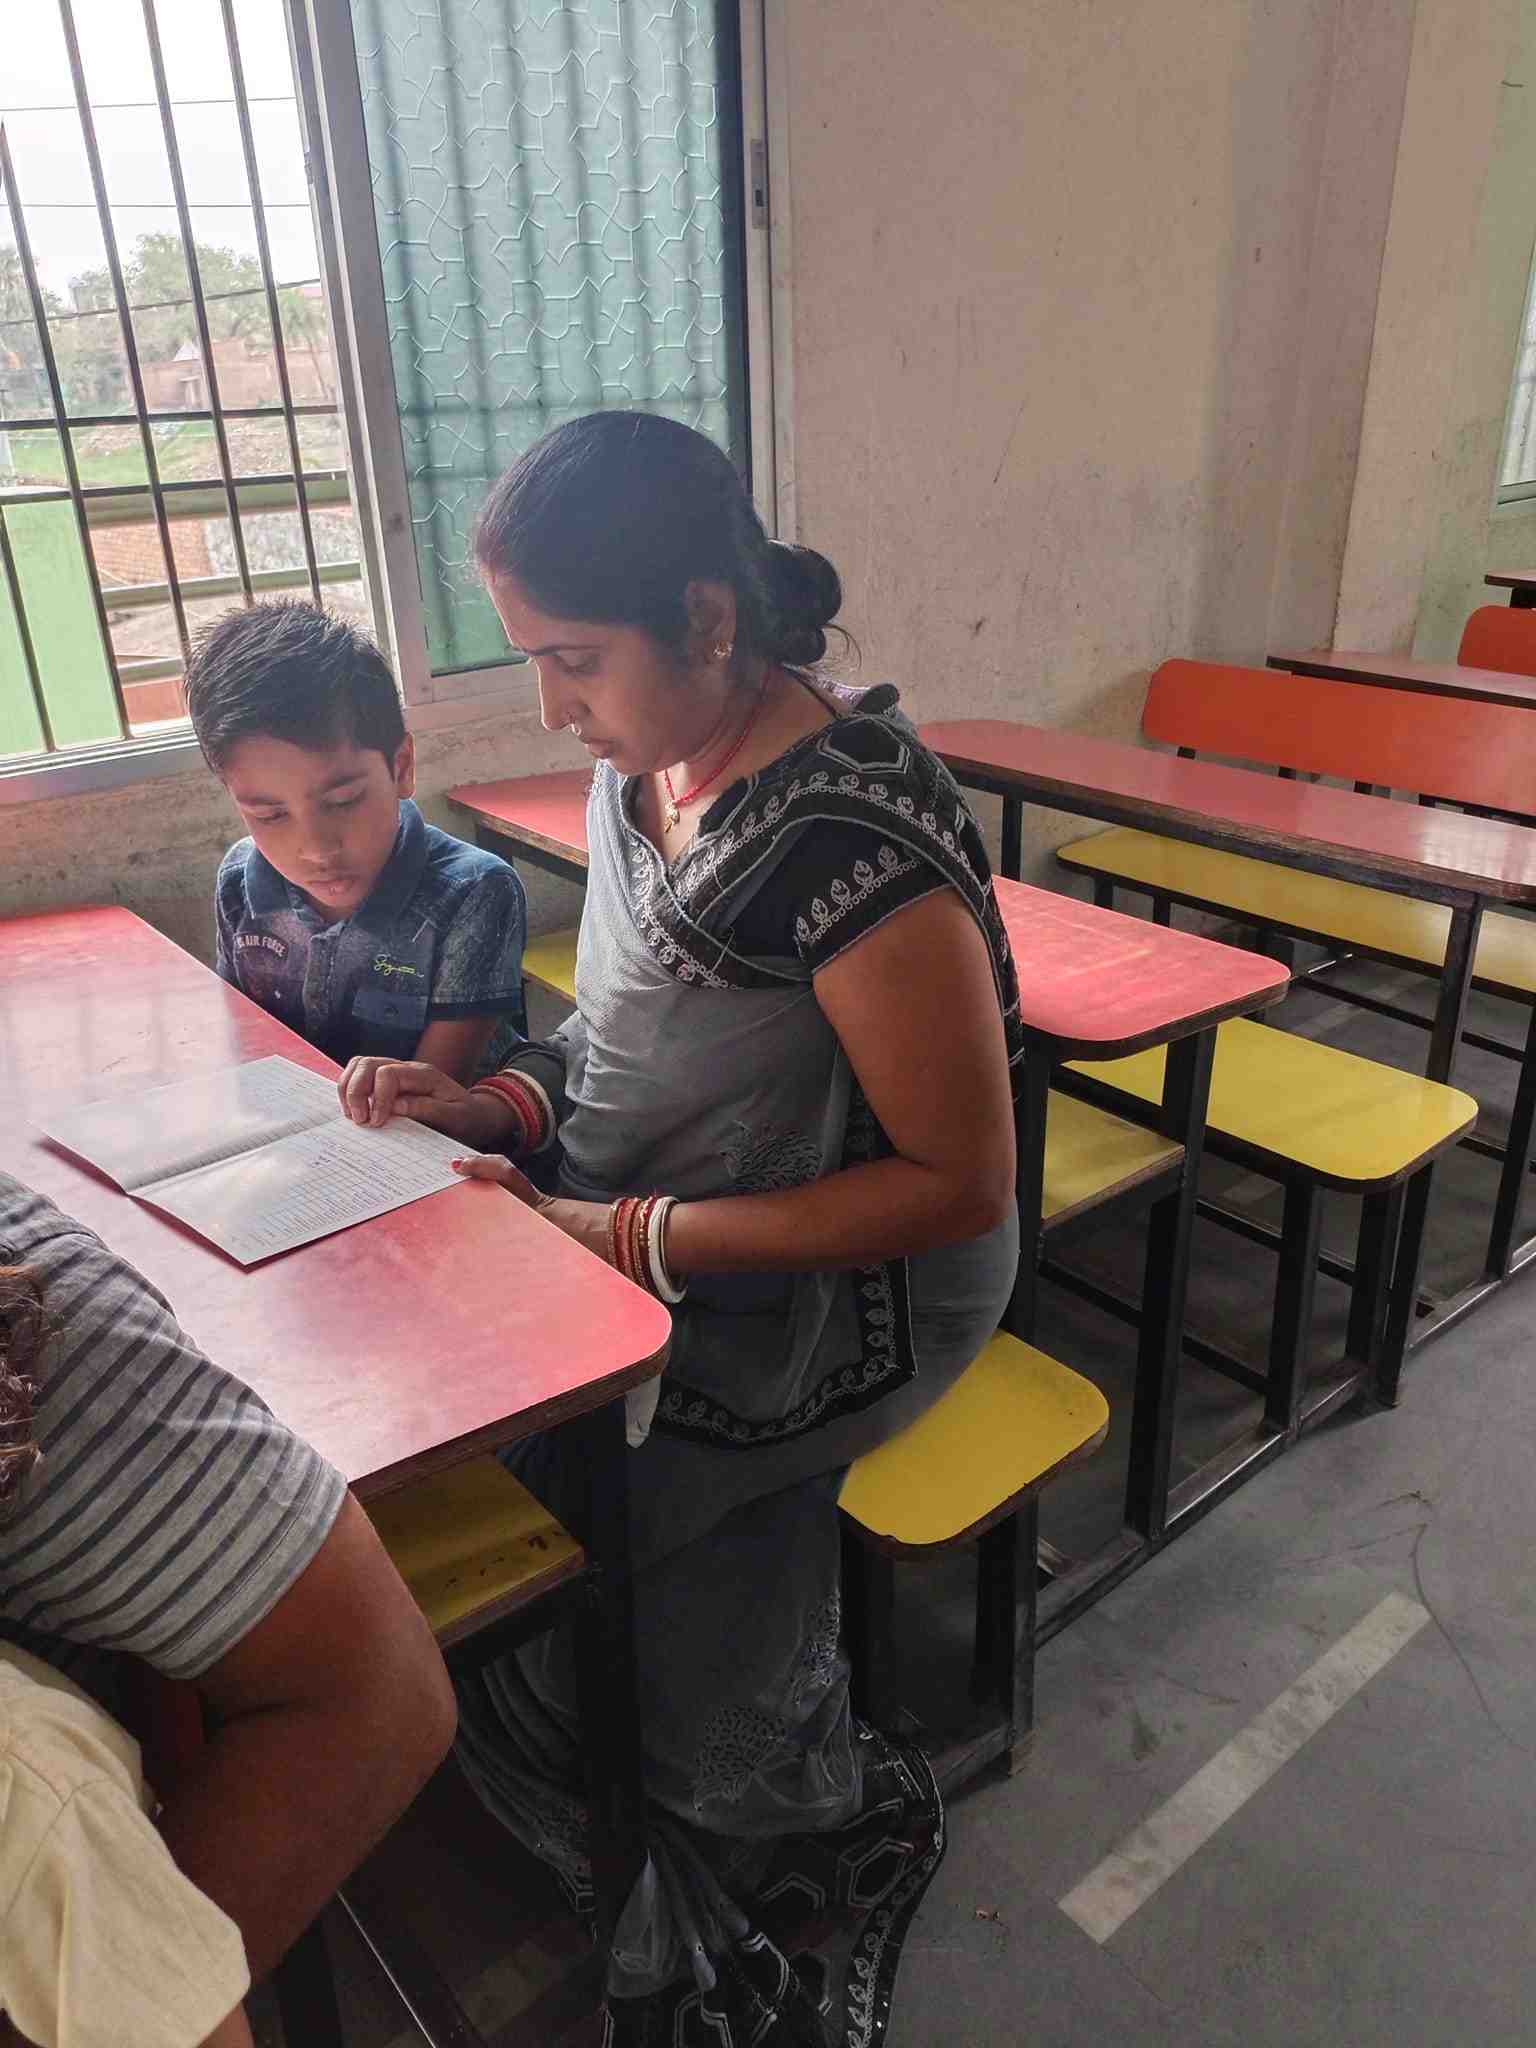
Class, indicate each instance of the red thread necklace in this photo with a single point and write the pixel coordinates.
(675, 803)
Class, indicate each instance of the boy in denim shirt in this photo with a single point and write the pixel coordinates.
(345, 914)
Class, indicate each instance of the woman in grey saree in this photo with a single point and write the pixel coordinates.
(719, 1054)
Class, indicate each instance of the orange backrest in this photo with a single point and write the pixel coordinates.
(1500, 636)
(1358, 732)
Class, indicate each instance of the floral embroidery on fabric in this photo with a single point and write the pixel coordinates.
(735, 1745)
(764, 1161)
(847, 897)
(817, 1664)
(886, 1359)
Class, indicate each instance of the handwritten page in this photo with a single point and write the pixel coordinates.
(258, 1159)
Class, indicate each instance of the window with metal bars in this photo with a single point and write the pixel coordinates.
(170, 435)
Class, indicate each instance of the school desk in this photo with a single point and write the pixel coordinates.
(1520, 583)
(1403, 672)
(1435, 856)
(540, 819)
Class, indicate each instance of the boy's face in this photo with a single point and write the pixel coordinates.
(325, 817)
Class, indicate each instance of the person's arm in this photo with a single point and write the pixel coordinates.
(372, 1090)
(453, 1045)
(477, 979)
(328, 1717)
(914, 1005)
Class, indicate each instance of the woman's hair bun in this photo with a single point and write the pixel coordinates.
(805, 595)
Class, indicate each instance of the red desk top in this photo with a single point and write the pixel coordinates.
(1437, 855)
(1090, 978)
(401, 1346)
(1402, 672)
(1099, 984)
(546, 811)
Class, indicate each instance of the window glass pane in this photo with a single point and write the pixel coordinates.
(62, 618)
(259, 447)
(262, 33)
(322, 442)
(114, 53)
(185, 377)
(1519, 464)
(558, 212)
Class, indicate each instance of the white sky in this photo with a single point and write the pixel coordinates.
(37, 108)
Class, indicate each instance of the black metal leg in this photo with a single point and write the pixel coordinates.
(1444, 1041)
(1505, 1234)
(1029, 1128)
(306, 1992)
(1295, 1295)
(1103, 893)
(869, 1604)
(1013, 836)
(605, 1667)
(1405, 1286)
(1186, 1089)
(1455, 987)
(1381, 1220)
(1162, 910)
(1006, 1602)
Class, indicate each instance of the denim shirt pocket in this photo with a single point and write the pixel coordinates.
(390, 1020)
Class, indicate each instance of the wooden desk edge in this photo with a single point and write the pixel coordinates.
(1063, 1049)
(524, 835)
(1390, 679)
(1316, 856)
(445, 1456)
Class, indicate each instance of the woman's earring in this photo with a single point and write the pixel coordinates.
(723, 651)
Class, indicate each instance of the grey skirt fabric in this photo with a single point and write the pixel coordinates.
(749, 1738)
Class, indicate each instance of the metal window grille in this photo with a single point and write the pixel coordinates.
(68, 672)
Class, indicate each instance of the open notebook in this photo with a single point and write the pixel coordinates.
(258, 1158)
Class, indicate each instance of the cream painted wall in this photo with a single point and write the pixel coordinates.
(1083, 309)
(1453, 284)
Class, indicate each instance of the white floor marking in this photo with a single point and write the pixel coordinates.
(1167, 1839)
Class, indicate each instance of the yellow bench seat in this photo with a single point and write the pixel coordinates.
(1347, 912)
(473, 1545)
(1091, 1156)
(550, 960)
(1351, 1122)
(1012, 1420)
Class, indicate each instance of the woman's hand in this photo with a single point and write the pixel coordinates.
(373, 1090)
(586, 1222)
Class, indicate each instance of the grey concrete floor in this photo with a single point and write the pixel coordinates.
(1377, 1889)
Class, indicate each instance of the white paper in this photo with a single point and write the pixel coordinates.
(259, 1158)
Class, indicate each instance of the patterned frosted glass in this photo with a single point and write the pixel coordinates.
(557, 192)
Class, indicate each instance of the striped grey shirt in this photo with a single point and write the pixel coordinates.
(171, 1510)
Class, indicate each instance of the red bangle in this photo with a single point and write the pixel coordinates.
(529, 1109)
(631, 1220)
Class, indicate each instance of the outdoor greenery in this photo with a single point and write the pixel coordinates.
(87, 340)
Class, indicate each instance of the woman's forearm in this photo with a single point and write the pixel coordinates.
(889, 1209)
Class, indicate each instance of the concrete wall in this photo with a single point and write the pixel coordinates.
(1084, 299)
(1422, 532)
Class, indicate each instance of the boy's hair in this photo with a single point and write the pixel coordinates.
(290, 671)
